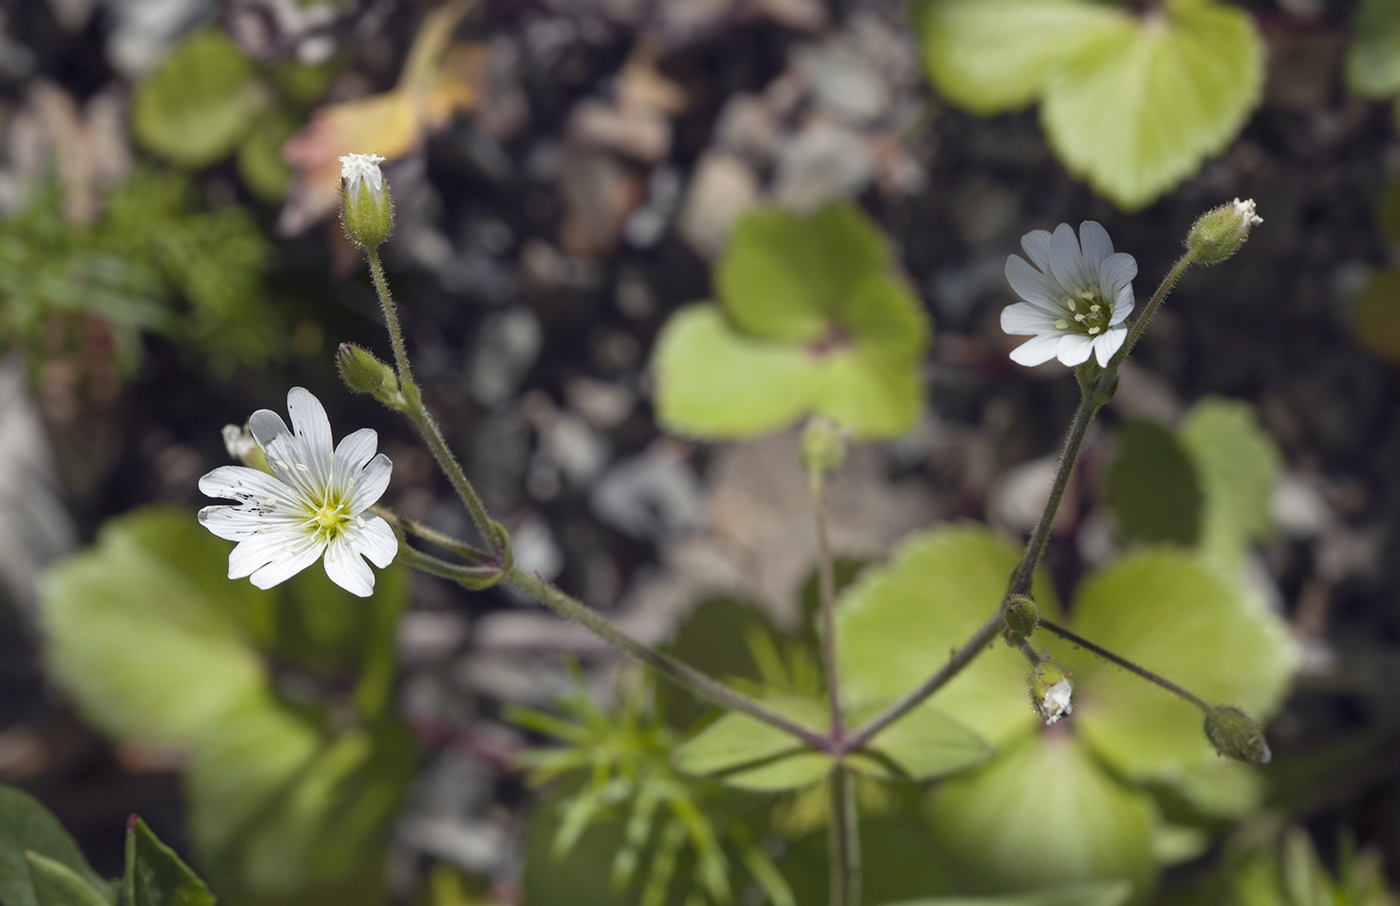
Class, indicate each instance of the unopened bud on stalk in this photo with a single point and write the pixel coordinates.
(240, 445)
(1051, 692)
(1021, 619)
(366, 209)
(1218, 233)
(823, 445)
(1236, 735)
(362, 372)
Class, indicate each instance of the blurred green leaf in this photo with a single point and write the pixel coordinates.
(1373, 55)
(1042, 813)
(1136, 115)
(810, 318)
(155, 876)
(1238, 465)
(199, 102)
(55, 884)
(711, 639)
(991, 56)
(1152, 487)
(26, 826)
(1109, 893)
(1375, 317)
(898, 622)
(922, 745)
(746, 753)
(1174, 614)
(260, 163)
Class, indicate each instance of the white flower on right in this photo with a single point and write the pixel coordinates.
(1077, 296)
(362, 170)
(1057, 702)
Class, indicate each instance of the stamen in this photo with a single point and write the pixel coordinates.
(1061, 324)
(1085, 295)
(1069, 303)
(1094, 330)
(302, 467)
(1094, 308)
(1079, 318)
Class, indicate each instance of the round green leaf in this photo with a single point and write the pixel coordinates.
(1136, 115)
(148, 651)
(1373, 56)
(897, 624)
(869, 395)
(1039, 814)
(712, 381)
(260, 161)
(1152, 487)
(922, 745)
(1238, 465)
(199, 102)
(1177, 616)
(746, 753)
(785, 275)
(995, 55)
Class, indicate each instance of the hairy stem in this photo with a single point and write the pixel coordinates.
(843, 839)
(1125, 664)
(826, 585)
(431, 535)
(422, 419)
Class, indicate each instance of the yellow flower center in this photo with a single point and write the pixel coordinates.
(331, 519)
(1088, 314)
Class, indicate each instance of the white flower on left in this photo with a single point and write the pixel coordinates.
(312, 503)
(1077, 295)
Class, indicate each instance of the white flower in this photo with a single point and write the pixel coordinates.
(1244, 210)
(1077, 296)
(312, 503)
(1056, 703)
(360, 170)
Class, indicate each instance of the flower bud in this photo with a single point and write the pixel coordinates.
(366, 210)
(363, 373)
(1021, 619)
(1218, 233)
(240, 445)
(823, 445)
(1236, 735)
(1051, 691)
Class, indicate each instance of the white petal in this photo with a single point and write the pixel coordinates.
(1117, 270)
(370, 484)
(1106, 345)
(1031, 285)
(242, 483)
(287, 565)
(1096, 245)
(1024, 318)
(313, 429)
(1074, 349)
(1066, 263)
(1036, 351)
(1037, 246)
(266, 427)
(346, 569)
(1122, 305)
(377, 542)
(355, 450)
(236, 523)
(255, 552)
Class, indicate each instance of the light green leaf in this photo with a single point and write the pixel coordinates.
(784, 275)
(1373, 56)
(748, 754)
(1042, 813)
(1152, 487)
(260, 161)
(1108, 893)
(1238, 465)
(199, 102)
(55, 884)
(712, 381)
(1136, 115)
(991, 56)
(149, 651)
(25, 825)
(897, 624)
(1176, 615)
(922, 745)
(155, 875)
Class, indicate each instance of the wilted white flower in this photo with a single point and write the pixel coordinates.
(312, 503)
(1077, 296)
(1056, 703)
(361, 171)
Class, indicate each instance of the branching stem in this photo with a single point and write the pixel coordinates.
(1126, 664)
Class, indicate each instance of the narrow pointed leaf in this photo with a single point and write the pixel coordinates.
(155, 875)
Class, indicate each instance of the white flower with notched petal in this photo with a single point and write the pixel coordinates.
(312, 503)
(1077, 296)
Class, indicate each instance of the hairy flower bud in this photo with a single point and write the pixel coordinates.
(1236, 735)
(1021, 619)
(366, 208)
(823, 445)
(1218, 233)
(362, 372)
(1051, 692)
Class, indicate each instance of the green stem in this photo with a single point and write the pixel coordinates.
(1135, 332)
(422, 419)
(843, 839)
(826, 584)
(431, 535)
(682, 674)
(474, 577)
(1126, 664)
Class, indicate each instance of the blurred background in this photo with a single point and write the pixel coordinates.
(566, 172)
